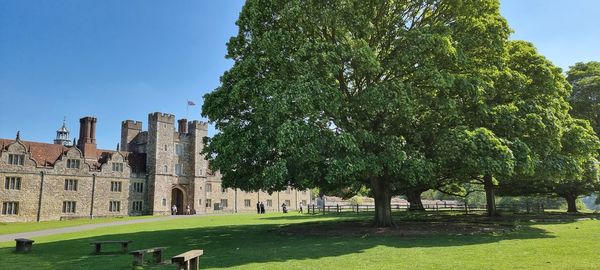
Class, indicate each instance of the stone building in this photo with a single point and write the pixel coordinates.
(148, 173)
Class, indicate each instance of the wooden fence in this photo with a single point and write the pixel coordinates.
(440, 206)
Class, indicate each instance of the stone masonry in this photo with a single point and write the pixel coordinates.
(148, 173)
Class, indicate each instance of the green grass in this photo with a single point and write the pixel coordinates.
(8, 228)
(255, 242)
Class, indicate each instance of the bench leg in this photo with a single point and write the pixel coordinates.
(138, 259)
(182, 265)
(97, 248)
(193, 263)
(20, 246)
(157, 256)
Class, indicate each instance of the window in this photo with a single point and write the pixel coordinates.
(137, 206)
(179, 149)
(73, 163)
(117, 167)
(269, 203)
(288, 203)
(224, 190)
(166, 169)
(69, 207)
(10, 208)
(165, 147)
(208, 187)
(115, 186)
(12, 183)
(15, 159)
(208, 203)
(200, 201)
(178, 169)
(224, 203)
(138, 187)
(164, 202)
(246, 203)
(114, 206)
(71, 184)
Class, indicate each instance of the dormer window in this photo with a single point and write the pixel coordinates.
(73, 163)
(15, 159)
(117, 167)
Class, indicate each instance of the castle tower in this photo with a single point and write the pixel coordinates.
(159, 161)
(62, 135)
(129, 130)
(197, 131)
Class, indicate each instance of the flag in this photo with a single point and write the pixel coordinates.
(191, 103)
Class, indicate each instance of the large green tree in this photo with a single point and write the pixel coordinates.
(585, 97)
(515, 125)
(574, 169)
(335, 94)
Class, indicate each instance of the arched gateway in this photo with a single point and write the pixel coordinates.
(178, 199)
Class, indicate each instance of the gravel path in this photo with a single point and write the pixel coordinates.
(33, 234)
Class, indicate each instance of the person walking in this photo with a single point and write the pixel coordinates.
(258, 207)
(300, 211)
(174, 210)
(188, 210)
(262, 208)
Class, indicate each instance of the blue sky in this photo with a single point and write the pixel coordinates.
(119, 60)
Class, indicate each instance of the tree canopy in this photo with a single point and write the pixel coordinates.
(392, 95)
(585, 98)
(328, 93)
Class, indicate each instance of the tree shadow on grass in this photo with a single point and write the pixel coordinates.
(234, 246)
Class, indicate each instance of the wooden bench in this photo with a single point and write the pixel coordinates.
(188, 260)
(24, 245)
(98, 244)
(138, 255)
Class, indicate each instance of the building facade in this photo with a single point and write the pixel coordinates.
(148, 173)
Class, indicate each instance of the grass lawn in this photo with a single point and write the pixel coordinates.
(7, 228)
(257, 242)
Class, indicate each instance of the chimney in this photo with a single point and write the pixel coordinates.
(87, 136)
(182, 125)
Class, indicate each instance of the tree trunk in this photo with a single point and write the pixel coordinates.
(571, 203)
(414, 198)
(383, 208)
(490, 197)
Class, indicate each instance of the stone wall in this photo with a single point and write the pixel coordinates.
(95, 176)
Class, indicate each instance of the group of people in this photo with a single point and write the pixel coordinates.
(188, 210)
(260, 208)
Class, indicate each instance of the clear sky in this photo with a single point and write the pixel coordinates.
(119, 60)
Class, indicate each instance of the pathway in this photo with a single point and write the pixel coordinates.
(30, 235)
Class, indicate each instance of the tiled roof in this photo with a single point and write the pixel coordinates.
(48, 153)
(40, 152)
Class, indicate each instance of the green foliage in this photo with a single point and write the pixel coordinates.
(356, 200)
(585, 98)
(345, 94)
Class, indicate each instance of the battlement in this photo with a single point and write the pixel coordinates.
(130, 124)
(197, 125)
(161, 117)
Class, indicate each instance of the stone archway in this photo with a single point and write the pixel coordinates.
(177, 199)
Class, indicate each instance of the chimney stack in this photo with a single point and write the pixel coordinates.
(87, 136)
(182, 125)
